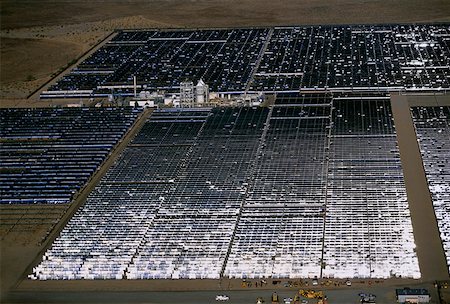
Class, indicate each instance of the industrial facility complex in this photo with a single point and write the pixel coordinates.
(267, 153)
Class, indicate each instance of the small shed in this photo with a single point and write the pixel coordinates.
(408, 295)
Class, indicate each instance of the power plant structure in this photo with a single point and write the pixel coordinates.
(193, 96)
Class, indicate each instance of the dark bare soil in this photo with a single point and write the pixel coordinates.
(28, 59)
(207, 13)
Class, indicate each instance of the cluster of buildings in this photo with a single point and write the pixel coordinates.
(191, 96)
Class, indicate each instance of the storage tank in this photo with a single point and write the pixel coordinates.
(201, 92)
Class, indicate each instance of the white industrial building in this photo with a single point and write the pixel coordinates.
(146, 99)
(407, 295)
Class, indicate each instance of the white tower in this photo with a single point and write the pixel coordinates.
(201, 92)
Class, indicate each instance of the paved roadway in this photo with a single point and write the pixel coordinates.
(346, 295)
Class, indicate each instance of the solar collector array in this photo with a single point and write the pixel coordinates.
(310, 187)
(281, 59)
(433, 132)
(49, 154)
(368, 229)
(201, 204)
